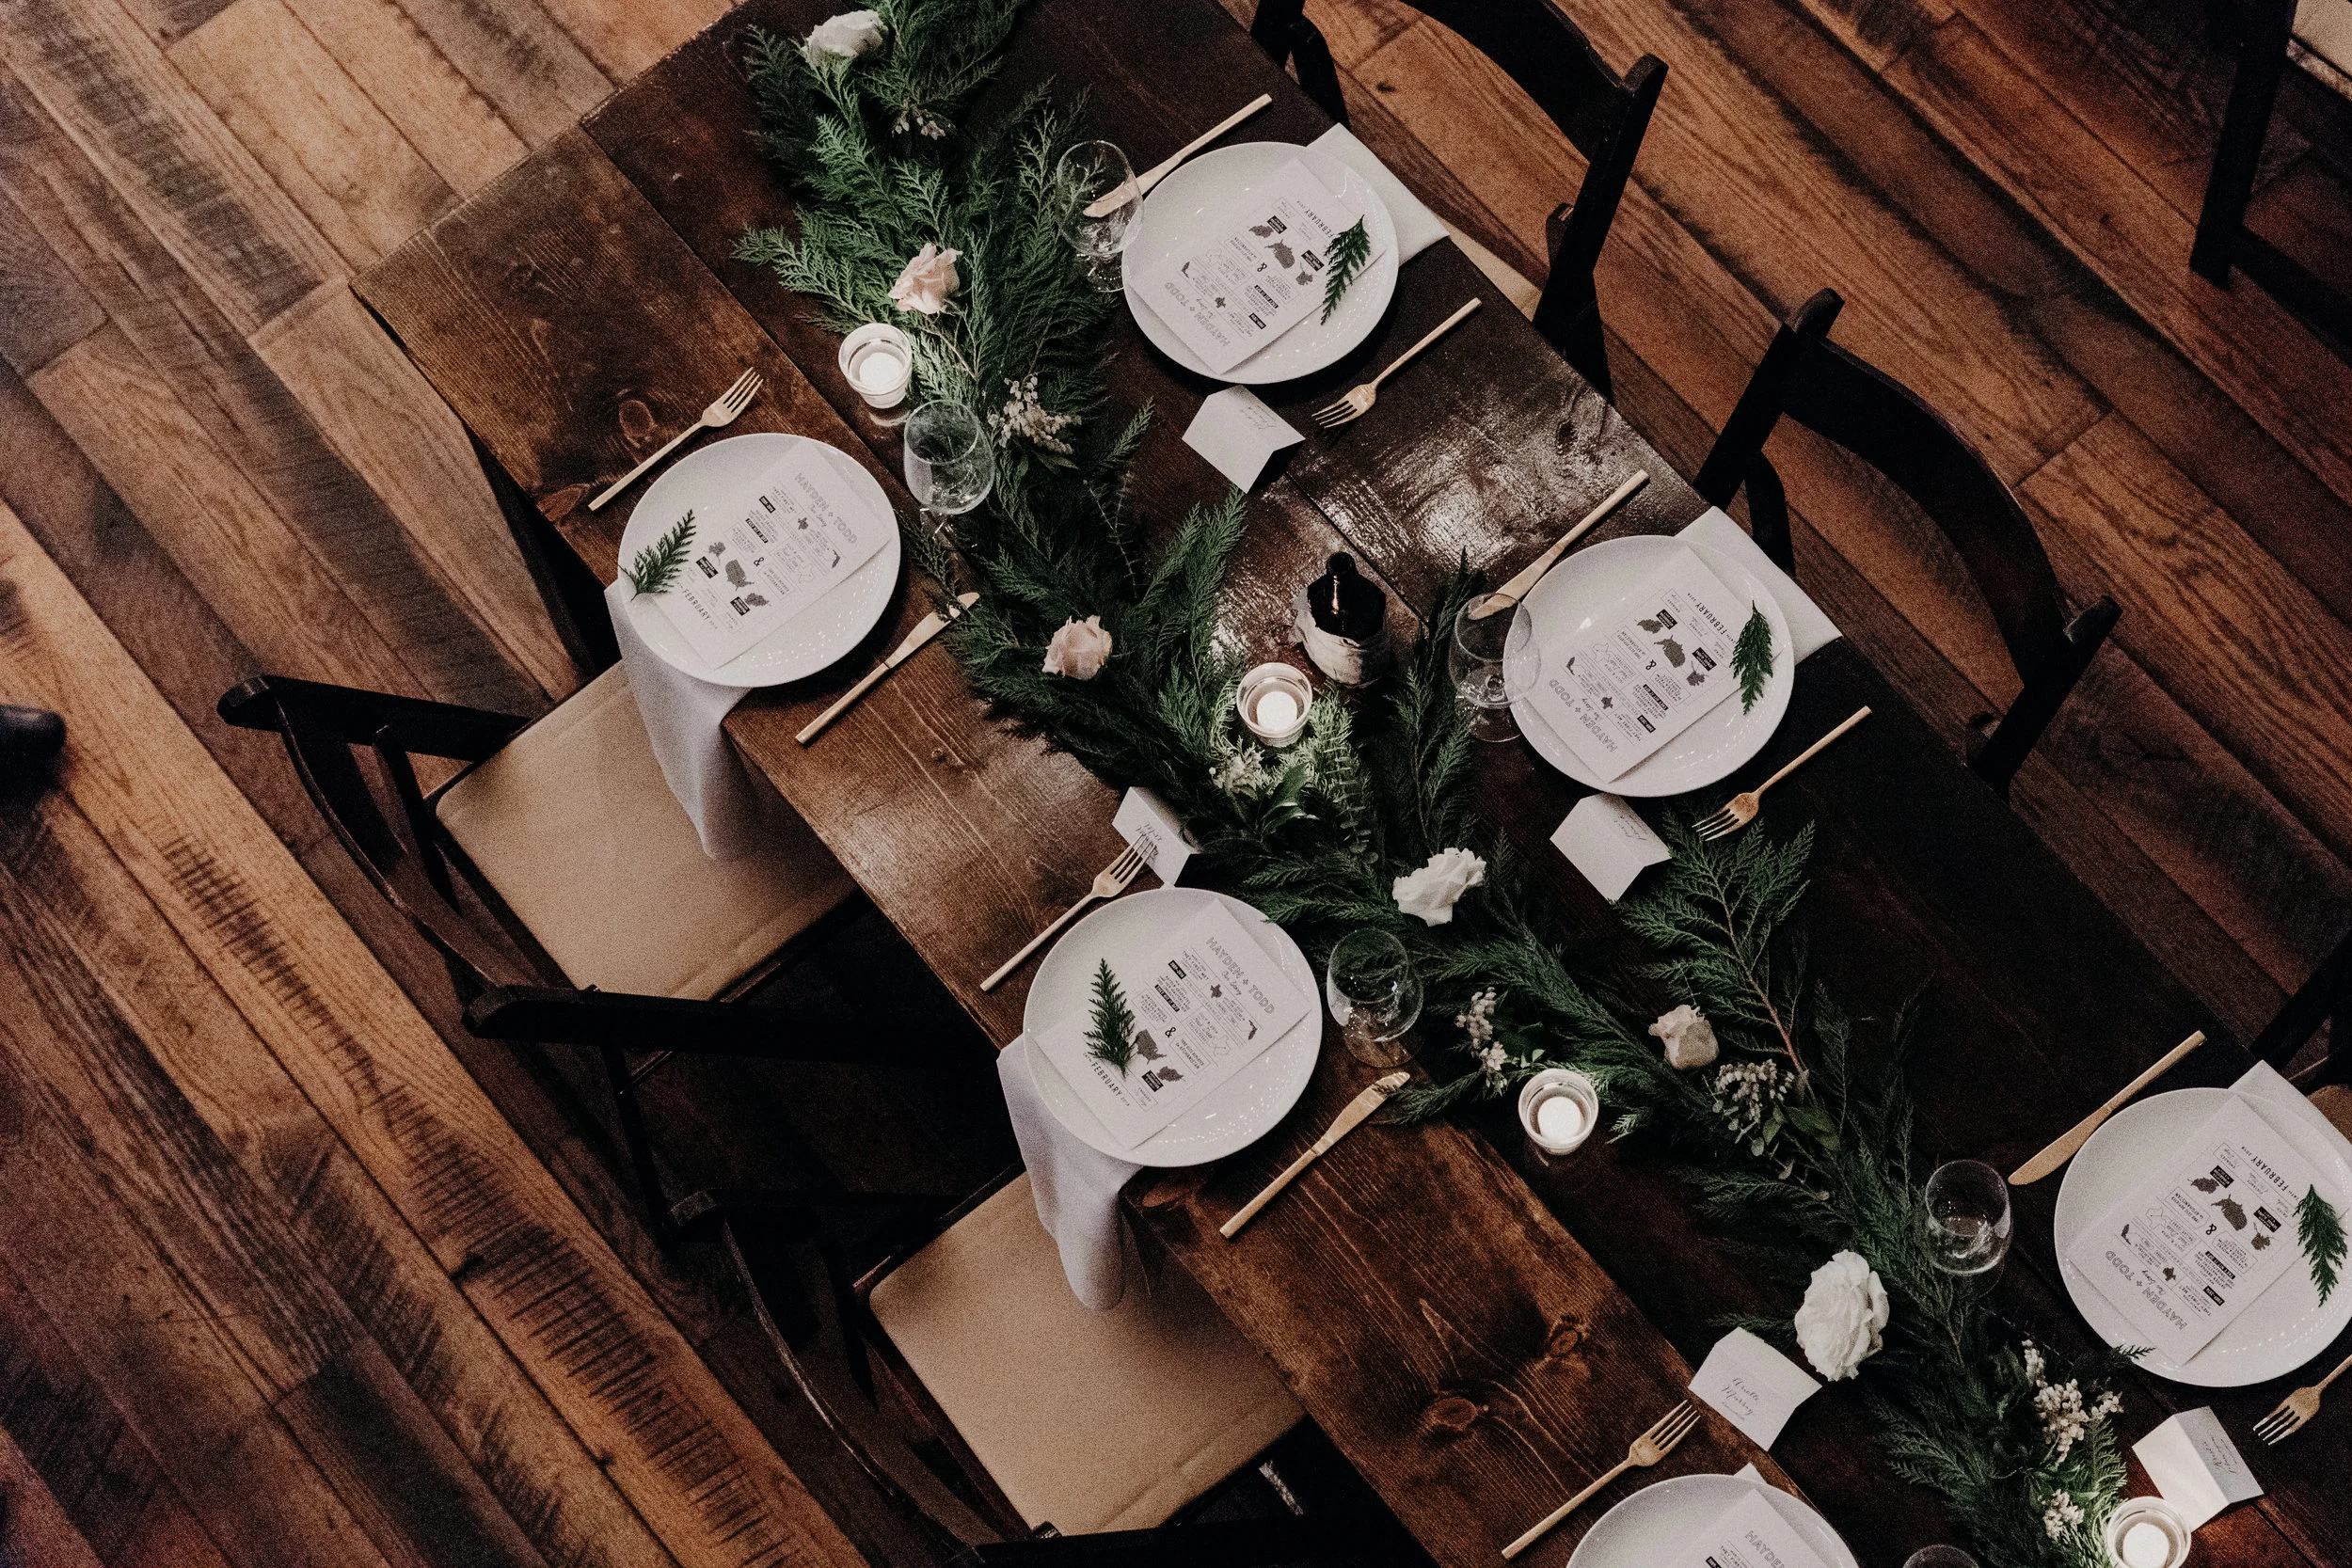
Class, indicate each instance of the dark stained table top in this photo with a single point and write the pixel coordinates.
(1477, 1331)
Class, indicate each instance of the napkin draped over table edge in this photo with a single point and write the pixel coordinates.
(683, 715)
(1077, 1186)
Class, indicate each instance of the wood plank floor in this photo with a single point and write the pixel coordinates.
(292, 1271)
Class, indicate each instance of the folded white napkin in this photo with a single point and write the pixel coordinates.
(1417, 227)
(1077, 1186)
(682, 716)
(1808, 629)
(2270, 1086)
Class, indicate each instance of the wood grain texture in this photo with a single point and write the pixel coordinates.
(528, 68)
(44, 310)
(35, 1529)
(404, 73)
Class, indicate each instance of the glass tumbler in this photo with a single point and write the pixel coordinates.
(1493, 662)
(950, 461)
(1374, 995)
(1967, 1217)
(1098, 172)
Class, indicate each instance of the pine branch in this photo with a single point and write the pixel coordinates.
(1112, 1038)
(1350, 248)
(1752, 659)
(658, 565)
(2322, 1231)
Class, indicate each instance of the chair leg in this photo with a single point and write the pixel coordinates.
(1572, 326)
(573, 597)
(2237, 154)
(638, 1142)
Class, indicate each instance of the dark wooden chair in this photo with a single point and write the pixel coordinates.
(2260, 31)
(1603, 114)
(2326, 998)
(1831, 392)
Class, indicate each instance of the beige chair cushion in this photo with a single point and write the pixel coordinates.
(1522, 294)
(574, 825)
(1088, 1421)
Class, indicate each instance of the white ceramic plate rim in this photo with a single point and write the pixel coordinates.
(1238, 1112)
(2103, 1169)
(1719, 744)
(1651, 1525)
(1209, 184)
(816, 639)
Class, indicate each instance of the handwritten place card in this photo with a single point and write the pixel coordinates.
(1752, 1385)
(2196, 1466)
(1153, 831)
(1607, 840)
(1239, 434)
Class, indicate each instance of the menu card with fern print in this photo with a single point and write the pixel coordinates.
(752, 570)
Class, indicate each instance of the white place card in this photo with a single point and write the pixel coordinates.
(1258, 270)
(2195, 1466)
(1239, 434)
(1153, 831)
(1749, 1534)
(2209, 1229)
(1619, 692)
(1607, 840)
(1752, 1385)
(803, 531)
(1207, 999)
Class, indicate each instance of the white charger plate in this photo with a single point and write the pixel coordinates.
(2281, 1328)
(1238, 1112)
(1594, 586)
(713, 482)
(1650, 1527)
(1176, 219)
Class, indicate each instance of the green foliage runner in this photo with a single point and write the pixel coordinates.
(658, 565)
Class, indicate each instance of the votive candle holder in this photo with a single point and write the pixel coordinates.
(1559, 1131)
(2140, 1527)
(877, 360)
(1273, 700)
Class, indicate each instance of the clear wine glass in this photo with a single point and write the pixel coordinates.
(1939, 1557)
(1374, 993)
(1493, 662)
(950, 461)
(1097, 169)
(1967, 1217)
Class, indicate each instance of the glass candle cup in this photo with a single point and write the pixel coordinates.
(1273, 700)
(1558, 1110)
(879, 361)
(2147, 1533)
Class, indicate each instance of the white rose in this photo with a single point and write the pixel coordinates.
(843, 38)
(1689, 1039)
(1845, 1306)
(1079, 650)
(1432, 892)
(927, 281)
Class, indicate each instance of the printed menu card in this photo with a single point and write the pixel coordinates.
(1749, 1534)
(1259, 274)
(2207, 1230)
(805, 530)
(1616, 692)
(1207, 998)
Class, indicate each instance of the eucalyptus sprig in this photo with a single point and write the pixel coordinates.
(1350, 248)
(1111, 1039)
(1752, 658)
(658, 565)
(2321, 1229)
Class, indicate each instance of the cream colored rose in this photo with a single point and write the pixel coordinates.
(1845, 1306)
(1430, 893)
(927, 281)
(1079, 650)
(1689, 1039)
(842, 37)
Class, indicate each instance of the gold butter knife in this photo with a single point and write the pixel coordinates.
(1104, 205)
(2060, 1152)
(927, 628)
(1522, 586)
(1342, 1125)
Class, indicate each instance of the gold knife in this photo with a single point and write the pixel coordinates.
(927, 628)
(1342, 1125)
(1522, 586)
(1107, 203)
(2060, 1152)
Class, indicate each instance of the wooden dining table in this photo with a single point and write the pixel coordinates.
(1477, 1328)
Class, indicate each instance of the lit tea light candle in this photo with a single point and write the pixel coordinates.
(1558, 1110)
(2146, 1545)
(1558, 1119)
(2147, 1533)
(1276, 710)
(1273, 702)
(879, 361)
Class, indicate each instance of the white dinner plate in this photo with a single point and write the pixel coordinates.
(2281, 1328)
(1238, 1112)
(1594, 586)
(1177, 218)
(713, 482)
(1650, 1527)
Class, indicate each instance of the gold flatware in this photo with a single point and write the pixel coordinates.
(1741, 809)
(1342, 1125)
(1104, 205)
(927, 628)
(1522, 586)
(1110, 884)
(2063, 1149)
(2297, 1408)
(721, 414)
(1359, 400)
(1648, 1449)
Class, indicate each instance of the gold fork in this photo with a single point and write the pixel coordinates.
(720, 413)
(1359, 400)
(1648, 1449)
(2297, 1408)
(1110, 884)
(1741, 809)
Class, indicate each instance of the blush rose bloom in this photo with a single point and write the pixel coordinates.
(842, 37)
(927, 281)
(1079, 650)
(1689, 1040)
(1845, 1306)
(1430, 893)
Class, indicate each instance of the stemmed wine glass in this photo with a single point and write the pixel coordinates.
(1096, 170)
(950, 461)
(1967, 1217)
(1374, 993)
(1493, 661)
